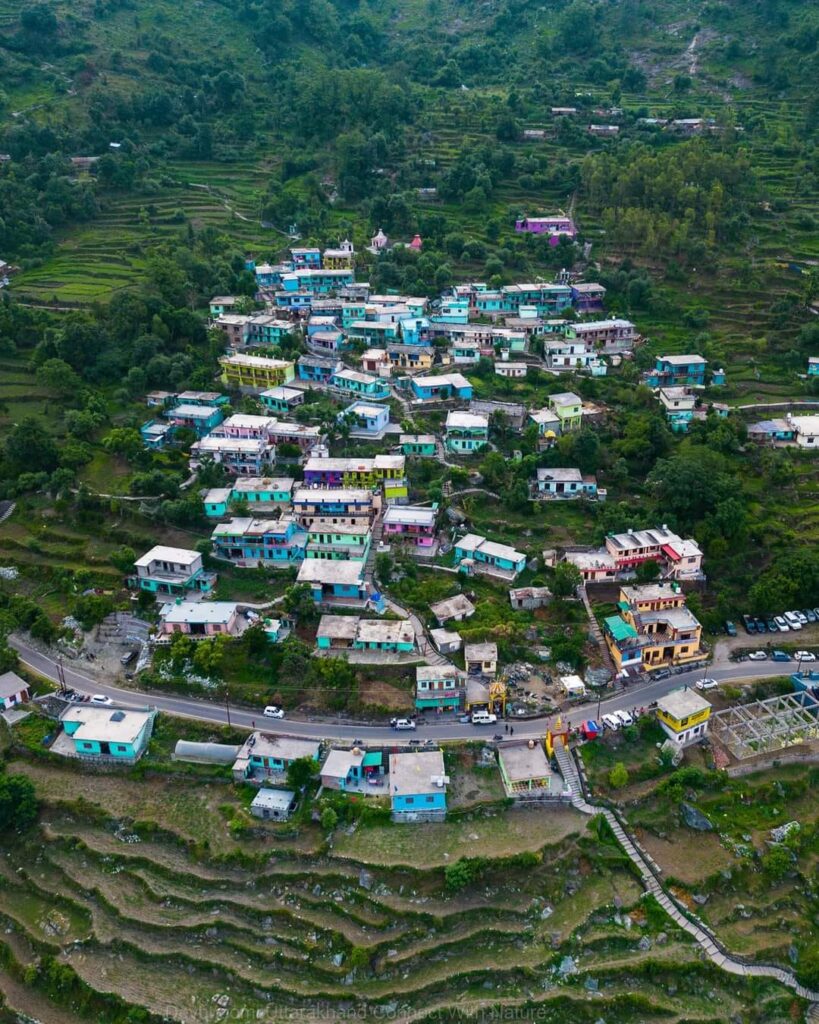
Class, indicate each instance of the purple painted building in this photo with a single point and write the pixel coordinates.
(554, 226)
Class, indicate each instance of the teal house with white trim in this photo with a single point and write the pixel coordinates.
(107, 733)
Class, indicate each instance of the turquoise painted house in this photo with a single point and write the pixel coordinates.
(418, 786)
(813, 366)
(107, 733)
(445, 386)
(172, 571)
(262, 494)
(419, 445)
(248, 541)
(360, 385)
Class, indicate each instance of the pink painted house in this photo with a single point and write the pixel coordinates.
(201, 619)
(554, 226)
(413, 524)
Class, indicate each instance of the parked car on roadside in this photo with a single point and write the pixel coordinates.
(771, 624)
(780, 656)
(758, 656)
(760, 625)
(749, 624)
(271, 711)
(730, 628)
(484, 718)
(611, 722)
(706, 684)
(624, 717)
(100, 698)
(402, 723)
(793, 620)
(781, 623)
(809, 614)
(804, 656)
(127, 658)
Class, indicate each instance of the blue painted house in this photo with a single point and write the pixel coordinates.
(317, 368)
(564, 483)
(306, 257)
(677, 371)
(813, 366)
(445, 386)
(156, 436)
(415, 330)
(718, 376)
(253, 542)
(106, 733)
(418, 785)
(489, 303)
(366, 418)
(294, 301)
(282, 399)
(338, 583)
(452, 311)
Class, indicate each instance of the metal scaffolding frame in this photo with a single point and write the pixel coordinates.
(765, 725)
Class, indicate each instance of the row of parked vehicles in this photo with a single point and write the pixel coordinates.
(617, 720)
(775, 623)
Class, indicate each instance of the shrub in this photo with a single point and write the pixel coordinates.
(618, 776)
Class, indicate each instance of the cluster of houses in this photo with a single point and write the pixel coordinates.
(789, 431)
(396, 334)
(678, 382)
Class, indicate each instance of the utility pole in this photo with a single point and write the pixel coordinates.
(227, 705)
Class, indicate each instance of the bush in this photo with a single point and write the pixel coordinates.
(618, 776)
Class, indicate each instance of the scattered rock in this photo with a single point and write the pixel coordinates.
(567, 967)
(338, 960)
(700, 898)
(793, 954)
(694, 818)
(546, 912)
(644, 944)
(662, 938)
(365, 880)
(591, 985)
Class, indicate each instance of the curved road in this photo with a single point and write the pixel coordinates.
(207, 711)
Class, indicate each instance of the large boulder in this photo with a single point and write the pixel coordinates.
(694, 818)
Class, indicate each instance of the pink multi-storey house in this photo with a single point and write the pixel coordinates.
(554, 226)
(412, 524)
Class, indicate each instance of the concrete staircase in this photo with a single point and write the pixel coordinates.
(689, 923)
(375, 540)
(597, 633)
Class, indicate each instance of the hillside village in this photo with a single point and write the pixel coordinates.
(330, 500)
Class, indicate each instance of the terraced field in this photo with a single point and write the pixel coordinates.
(282, 923)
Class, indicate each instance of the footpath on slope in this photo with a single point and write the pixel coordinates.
(706, 939)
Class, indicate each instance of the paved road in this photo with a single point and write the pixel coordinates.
(209, 711)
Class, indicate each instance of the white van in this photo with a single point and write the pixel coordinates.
(793, 620)
(484, 718)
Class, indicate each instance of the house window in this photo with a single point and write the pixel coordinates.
(409, 800)
(430, 799)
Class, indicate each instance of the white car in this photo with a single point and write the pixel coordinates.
(758, 656)
(782, 624)
(100, 698)
(402, 723)
(804, 656)
(706, 684)
(611, 722)
(484, 718)
(271, 711)
(624, 718)
(793, 620)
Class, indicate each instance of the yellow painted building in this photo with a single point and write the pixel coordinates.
(247, 371)
(683, 715)
(653, 630)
